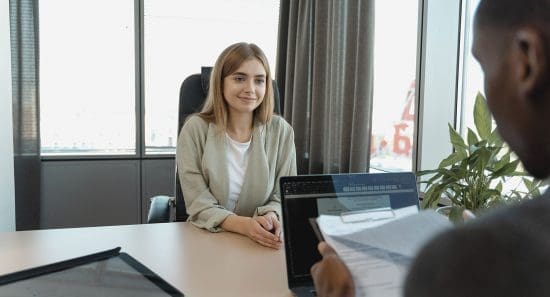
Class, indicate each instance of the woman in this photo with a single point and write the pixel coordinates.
(230, 155)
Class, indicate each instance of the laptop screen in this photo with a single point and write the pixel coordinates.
(308, 196)
(107, 273)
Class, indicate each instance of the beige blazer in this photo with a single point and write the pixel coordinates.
(202, 169)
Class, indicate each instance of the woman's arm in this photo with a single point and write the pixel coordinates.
(203, 208)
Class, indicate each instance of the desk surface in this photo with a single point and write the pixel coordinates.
(195, 261)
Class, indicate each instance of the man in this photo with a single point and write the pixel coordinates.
(506, 253)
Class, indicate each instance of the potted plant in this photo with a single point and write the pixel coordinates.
(474, 176)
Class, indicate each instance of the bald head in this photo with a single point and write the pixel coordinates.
(512, 45)
(513, 13)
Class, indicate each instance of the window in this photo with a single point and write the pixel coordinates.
(395, 52)
(87, 77)
(180, 37)
(88, 70)
(472, 75)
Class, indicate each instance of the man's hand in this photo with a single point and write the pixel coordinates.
(330, 275)
(468, 215)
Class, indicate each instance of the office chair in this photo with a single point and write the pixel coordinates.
(193, 92)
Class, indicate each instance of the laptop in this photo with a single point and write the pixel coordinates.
(308, 196)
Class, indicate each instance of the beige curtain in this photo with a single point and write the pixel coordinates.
(325, 61)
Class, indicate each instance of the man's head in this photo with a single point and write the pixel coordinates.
(512, 44)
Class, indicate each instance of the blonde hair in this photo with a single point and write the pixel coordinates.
(215, 108)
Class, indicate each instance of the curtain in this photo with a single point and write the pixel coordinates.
(26, 134)
(324, 68)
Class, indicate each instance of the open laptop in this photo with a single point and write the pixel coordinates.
(308, 196)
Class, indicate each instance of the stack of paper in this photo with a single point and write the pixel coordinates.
(379, 248)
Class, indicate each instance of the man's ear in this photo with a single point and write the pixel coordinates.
(530, 62)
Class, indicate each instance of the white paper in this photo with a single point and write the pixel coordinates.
(377, 214)
(378, 253)
(335, 225)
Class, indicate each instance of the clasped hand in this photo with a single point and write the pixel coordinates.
(265, 230)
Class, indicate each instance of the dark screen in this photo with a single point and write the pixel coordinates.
(110, 277)
(302, 243)
(302, 194)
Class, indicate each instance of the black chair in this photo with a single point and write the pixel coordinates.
(193, 92)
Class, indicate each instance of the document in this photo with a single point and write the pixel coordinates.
(379, 248)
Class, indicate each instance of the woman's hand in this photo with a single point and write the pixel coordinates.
(259, 232)
(251, 228)
(330, 275)
(270, 222)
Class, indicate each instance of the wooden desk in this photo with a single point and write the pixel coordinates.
(195, 261)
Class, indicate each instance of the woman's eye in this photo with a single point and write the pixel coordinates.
(239, 79)
(260, 81)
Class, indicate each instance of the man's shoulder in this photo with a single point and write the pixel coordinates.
(487, 256)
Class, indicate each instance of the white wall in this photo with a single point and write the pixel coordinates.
(7, 192)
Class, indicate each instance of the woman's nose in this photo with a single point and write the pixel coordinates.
(249, 86)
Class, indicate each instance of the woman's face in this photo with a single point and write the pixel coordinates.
(244, 89)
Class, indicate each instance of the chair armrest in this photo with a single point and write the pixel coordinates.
(159, 209)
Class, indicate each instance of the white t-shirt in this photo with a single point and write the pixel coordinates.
(237, 161)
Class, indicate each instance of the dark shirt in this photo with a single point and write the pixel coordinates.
(504, 253)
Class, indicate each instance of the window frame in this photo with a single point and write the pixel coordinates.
(438, 83)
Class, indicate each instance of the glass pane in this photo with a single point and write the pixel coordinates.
(395, 45)
(87, 78)
(472, 74)
(183, 35)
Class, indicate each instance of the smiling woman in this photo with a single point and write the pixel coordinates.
(244, 90)
(236, 135)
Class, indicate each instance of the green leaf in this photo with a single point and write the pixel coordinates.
(518, 173)
(532, 187)
(432, 197)
(453, 158)
(456, 139)
(507, 169)
(454, 174)
(473, 148)
(499, 187)
(472, 137)
(528, 184)
(434, 178)
(495, 139)
(505, 159)
(424, 172)
(482, 117)
(480, 158)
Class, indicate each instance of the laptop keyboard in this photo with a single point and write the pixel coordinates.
(308, 187)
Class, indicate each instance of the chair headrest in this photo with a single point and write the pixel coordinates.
(205, 78)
